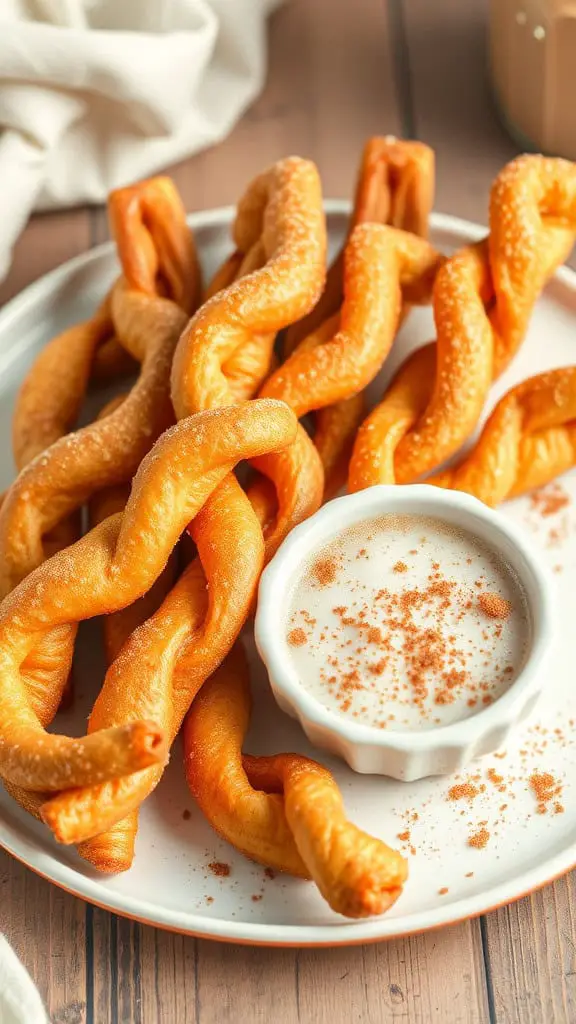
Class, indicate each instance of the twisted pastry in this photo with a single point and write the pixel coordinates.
(528, 440)
(483, 298)
(395, 186)
(118, 842)
(381, 265)
(51, 396)
(117, 628)
(284, 811)
(59, 480)
(163, 664)
(115, 564)
(157, 256)
(195, 628)
(282, 212)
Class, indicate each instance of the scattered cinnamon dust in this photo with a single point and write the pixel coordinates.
(443, 891)
(549, 500)
(270, 873)
(186, 814)
(496, 779)
(220, 868)
(400, 567)
(479, 839)
(463, 791)
(494, 606)
(546, 789)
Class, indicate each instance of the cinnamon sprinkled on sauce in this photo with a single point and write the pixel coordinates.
(325, 570)
(443, 891)
(297, 637)
(383, 648)
(494, 606)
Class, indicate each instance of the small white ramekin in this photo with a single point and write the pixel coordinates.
(406, 754)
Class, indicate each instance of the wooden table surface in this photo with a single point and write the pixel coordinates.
(339, 72)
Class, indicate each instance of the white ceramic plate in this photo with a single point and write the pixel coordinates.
(171, 883)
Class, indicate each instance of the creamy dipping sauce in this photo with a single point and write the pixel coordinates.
(404, 621)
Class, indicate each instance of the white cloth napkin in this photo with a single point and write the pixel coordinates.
(95, 94)
(19, 999)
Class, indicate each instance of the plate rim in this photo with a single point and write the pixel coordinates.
(342, 933)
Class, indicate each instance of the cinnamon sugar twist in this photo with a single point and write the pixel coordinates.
(157, 256)
(284, 811)
(282, 212)
(483, 298)
(382, 265)
(528, 440)
(203, 614)
(36, 516)
(395, 186)
(108, 569)
(164, 663)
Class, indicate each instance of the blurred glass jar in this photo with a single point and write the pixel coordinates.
(533, 57)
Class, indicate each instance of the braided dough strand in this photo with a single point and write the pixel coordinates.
(59, 480)
(283, 811)
(336, 363)
(280, 220)
(528, 440)
(196, 628)
(483, 298)
(108, 569)
(395, 186)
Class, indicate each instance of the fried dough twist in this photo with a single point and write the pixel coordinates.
(116, 563)
(35, 517)
(483, 298)
(528, 440)
(164, 662)
(282, 213)
(395, 186)
(284, 811)
(382, 264)
(157, 256)
(202, 616)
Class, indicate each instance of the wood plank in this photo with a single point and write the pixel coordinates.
(453, 110)
(532, 954)
(435, 977)
(46, 928)
(48, 241)
(261, 984)
(102, 956)
(168, 977)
